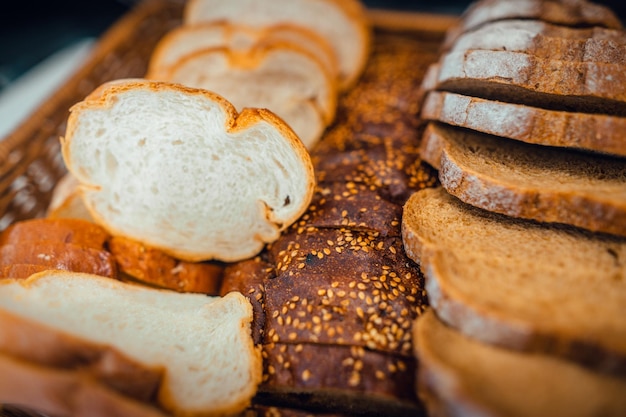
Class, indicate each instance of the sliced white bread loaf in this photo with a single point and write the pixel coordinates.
(66, 201)
(546, 40)
(459, 376)
(180, 170)
(519, 284)
(203, 344)
(281, 77)
(586, 131)
(186, 39)
(566, 13)
(343, 23)
(529, 181)
(523, 78)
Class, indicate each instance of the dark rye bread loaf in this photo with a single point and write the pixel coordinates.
(335, 296)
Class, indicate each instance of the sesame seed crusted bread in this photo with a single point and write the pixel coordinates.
(519, 284)
(529, 181)
(459, 376)
(585, 131)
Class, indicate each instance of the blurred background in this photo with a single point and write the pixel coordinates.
(43, 41)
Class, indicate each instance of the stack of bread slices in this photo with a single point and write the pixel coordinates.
(523, 246)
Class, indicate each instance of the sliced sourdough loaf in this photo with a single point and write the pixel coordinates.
(281, 77)
(178, 169)
(565, 13)
(529, 181)
(186, 39)
(343, 23)
(459, 376)
(585, 131)
(202, 344)
(519, 284)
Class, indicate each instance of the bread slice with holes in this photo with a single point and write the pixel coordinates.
(202, 344)
(520, 284)
(459, 376)
(576, 130)
(342, 23)
(178, 169)
(529, 181)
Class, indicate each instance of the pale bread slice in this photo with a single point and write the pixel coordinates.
(66, 201)
(520, 284)
(281, 77)
(459, 376)
(529, 181)
(343, 23)
(180, 170)
(203, 344)
(586, 131)
(523, 78)
(566, 13)
(186, 39)
(546, 40)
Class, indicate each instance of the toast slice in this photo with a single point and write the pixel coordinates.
(159, 163)
(203, 344)
(459, 376)
(522, 78)
(281, 77)
(584, 131)
(520, 284)
(342, 23)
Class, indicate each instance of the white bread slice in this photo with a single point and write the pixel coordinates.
(343, 23)
(546, 40)
(203, 344)
(586, 131)
(281, 77)
(178, 169)
(529, 181)
(519, 284)
(523, 78)
(186, 39)
(61, 392)
(458, 376)
(66, 201)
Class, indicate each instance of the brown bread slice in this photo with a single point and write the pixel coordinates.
(519, 77)
(520, 284)
(529, 181)
(459, 376)
(66, 230)
(592, 132)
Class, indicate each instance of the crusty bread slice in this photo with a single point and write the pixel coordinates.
(586, 131)
(281, 77)
(520, 284)
(186, 39)
(459, 376)
(203, 344)
(566, 13)
(61, 392)
(529, 181)
(66, 201)
(546, 40)
(523, 78)
(75, 231)
(179, 169)
(343, 23)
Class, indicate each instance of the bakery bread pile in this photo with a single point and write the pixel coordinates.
(523, 245)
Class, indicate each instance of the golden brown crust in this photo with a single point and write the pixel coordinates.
(74, 231)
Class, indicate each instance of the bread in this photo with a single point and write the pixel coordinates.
(523, 78)
(584, 131)
(459, 376)
(529, 181)
(61, 392)
(147, 176)
(75, 231)
(186, 39)
(66, 201)
(519, 284)
(281, 77)
(565, 13)
(342, 23)
(536, 37)
(203, 344)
